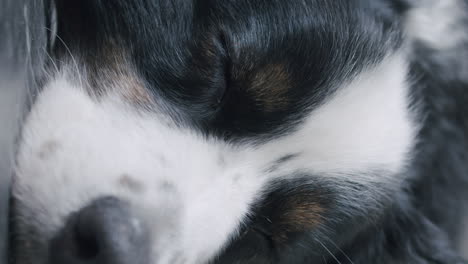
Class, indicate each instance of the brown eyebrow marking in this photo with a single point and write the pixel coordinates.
(125, 79)
(302, 213)
(269, 87)
(134, 91)
(292, 207)
(298, 213)
(112, 70)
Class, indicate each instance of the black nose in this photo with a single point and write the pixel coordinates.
(104, 232)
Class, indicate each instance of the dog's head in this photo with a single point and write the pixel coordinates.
(212, 131)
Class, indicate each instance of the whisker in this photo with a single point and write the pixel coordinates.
(331, 253)
(341, 251)
(75, 62)
(51, 60)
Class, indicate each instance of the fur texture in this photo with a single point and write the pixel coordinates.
(246, 132)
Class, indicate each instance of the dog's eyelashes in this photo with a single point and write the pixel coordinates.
(222, 91)
(220, 94)
(266, 235)
(223, 88)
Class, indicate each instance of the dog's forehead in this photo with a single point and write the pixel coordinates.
(272, 60)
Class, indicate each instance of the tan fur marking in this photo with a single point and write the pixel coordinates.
(134, 91)
(299, 213)
(269, 87)
(113, 72)
(126, 80)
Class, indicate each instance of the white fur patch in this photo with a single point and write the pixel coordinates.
(195, 191)
(365, 125)
(75, 150)
(439, 23)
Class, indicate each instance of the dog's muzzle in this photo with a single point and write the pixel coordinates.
(104, 232)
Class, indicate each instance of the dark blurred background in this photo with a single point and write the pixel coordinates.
(22, 43)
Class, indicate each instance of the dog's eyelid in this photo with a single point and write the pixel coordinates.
(265, 234)
(227, 69)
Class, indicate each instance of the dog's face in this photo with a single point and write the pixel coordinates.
(212, 132)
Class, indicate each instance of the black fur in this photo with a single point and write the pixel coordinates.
(200, 58)
(203, 56)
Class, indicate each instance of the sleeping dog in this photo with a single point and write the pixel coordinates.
(246, 131)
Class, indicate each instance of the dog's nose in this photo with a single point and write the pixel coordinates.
(104, 232)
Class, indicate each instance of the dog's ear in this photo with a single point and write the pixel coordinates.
(430, 244)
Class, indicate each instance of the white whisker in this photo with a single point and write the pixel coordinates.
(51, 60)
(331, 254)
(341, 251)
(75, 62)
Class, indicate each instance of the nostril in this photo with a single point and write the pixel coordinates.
(102, 232)
(86, 244)
(90, 225)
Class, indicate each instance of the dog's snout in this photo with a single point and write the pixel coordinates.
(104, 232)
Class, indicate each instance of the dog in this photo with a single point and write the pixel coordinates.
(248, 131)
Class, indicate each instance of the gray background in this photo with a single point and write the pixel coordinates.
(22, 38)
